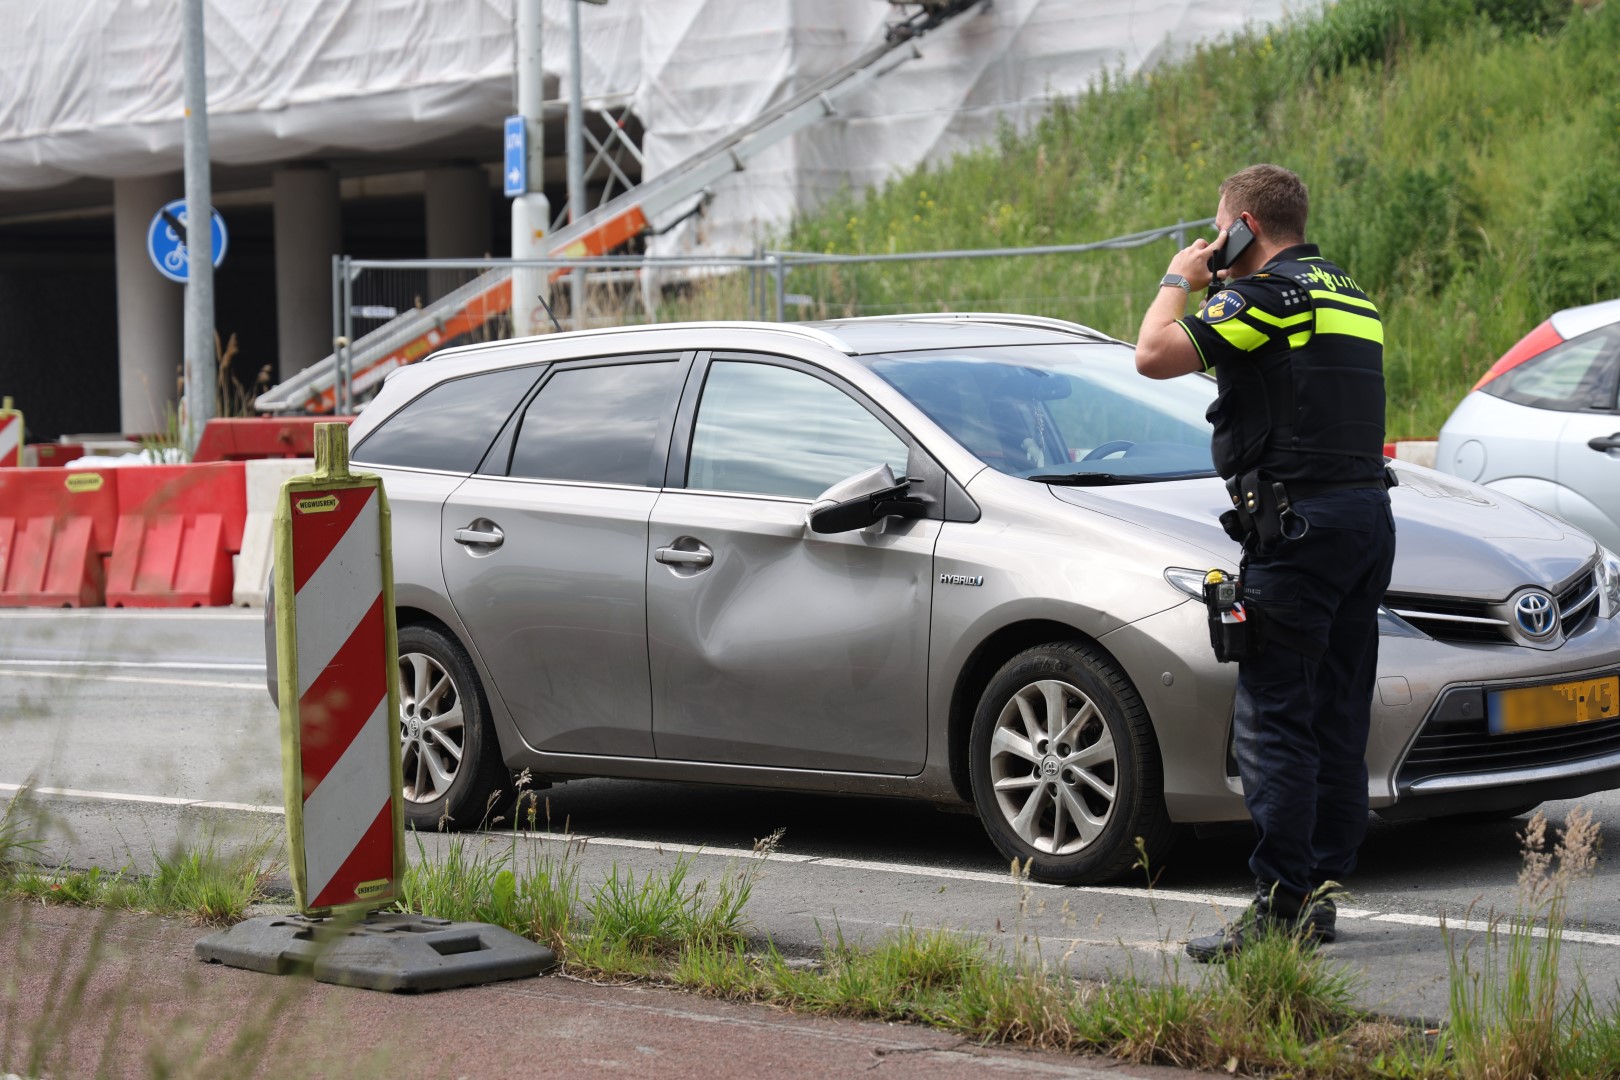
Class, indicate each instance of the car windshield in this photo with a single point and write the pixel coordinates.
(1064, 414)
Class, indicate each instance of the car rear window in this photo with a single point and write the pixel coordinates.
(1580, 375)
(449, 427)
(598, 424)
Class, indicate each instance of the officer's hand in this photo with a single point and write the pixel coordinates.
(1192, 261)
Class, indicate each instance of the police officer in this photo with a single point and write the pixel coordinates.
(1297, 351)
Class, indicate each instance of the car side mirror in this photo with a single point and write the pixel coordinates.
(865, 499)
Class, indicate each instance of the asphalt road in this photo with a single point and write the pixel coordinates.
(140, 731)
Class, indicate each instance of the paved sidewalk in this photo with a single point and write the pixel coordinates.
(146, 1007)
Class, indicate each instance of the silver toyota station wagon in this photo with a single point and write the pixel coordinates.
(951, 557)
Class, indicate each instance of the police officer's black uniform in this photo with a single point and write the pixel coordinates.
(1297, 351)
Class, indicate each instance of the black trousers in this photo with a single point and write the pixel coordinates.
(1300, 729)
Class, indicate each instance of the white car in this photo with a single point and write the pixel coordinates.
(1543, 425)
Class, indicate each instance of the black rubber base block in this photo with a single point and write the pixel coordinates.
(402, 953)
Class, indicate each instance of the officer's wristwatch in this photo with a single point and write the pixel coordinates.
(1177, 280)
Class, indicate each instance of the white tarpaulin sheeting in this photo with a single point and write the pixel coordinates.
(93, 87)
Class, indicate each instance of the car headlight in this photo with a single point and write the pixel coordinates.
(1187, 581)
(1608, 574)
(1390, 624)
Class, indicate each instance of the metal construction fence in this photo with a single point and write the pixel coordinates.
(410, 308)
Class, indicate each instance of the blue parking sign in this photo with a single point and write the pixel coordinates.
(166, 240)
(515, 171)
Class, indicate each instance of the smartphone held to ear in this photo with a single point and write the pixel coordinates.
(1238, 237)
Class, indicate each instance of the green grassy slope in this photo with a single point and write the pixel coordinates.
(1463, 158)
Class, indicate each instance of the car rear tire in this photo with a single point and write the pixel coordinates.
(450, 759)
(1065, 768)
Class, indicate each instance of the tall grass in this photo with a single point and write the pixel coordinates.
(1512, 1015)
(1460, 154)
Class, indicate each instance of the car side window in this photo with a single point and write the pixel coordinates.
(1580, 375)
(598, 424)
(769, 430)
(451, 425)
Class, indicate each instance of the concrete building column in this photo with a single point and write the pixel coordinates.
(308, 232)
(151, 308)
(457, 199)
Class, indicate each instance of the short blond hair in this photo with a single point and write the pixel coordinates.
(1273, 194)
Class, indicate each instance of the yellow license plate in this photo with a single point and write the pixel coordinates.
(1565, 704)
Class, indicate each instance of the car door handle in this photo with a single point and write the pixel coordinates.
(678, 557)
(493, 537)
(1602, 443)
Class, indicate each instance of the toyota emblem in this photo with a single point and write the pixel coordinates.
(1535, 613)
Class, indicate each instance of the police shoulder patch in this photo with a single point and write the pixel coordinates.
(1222, 306)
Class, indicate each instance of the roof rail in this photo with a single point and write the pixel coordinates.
(1061, 326)
(801, 330)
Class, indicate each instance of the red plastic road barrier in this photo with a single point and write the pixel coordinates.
(178, 526)
(11, 435)
(254, 437)
(55, 527)
(56, 454)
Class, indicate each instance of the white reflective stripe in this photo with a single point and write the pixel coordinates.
(10, 436)
(337, 596)
(340, 810)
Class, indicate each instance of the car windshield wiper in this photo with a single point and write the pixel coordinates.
(1103, 479)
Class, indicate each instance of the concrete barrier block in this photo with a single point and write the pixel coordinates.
(1417, 451)
(264, 480)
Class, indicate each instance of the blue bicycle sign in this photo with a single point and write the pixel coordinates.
(166, 240)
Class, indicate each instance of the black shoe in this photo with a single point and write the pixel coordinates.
(1257, 920)
(1318, 923)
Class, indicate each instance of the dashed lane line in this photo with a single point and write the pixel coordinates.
(1589, 937)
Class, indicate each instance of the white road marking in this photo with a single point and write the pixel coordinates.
(158, 800)
(167, 665)
(230, 614)
(1435, 922)
(259, 686)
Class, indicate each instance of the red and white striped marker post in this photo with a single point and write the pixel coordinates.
(337, 676)
(11, 435)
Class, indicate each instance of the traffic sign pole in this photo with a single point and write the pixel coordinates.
(531, 213)
(201, 367)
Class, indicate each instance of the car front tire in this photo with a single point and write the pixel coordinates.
(449, 757)
(1065, 768)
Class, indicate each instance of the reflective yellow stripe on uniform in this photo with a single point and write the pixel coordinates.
(1239, 334)
(1277, 321)
(1342, 298)
(1333, 321)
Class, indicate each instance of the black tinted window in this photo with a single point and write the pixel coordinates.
(1579, 375)
(451, 425)
(598, 424)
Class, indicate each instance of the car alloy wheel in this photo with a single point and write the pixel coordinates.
(1065, 767)
(1053, 767)
(449, 759)
(432, 727)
